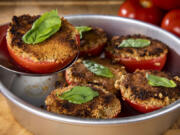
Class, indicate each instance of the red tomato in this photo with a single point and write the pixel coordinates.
(143, 10)
(128, 9)
(78, 39)
(132, 64)
(171, 22)
(93, 51)
(167, 4)
(142, 107)
(3, 48)
(67, 79)
(39, 67)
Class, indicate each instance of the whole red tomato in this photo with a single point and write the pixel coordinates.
(167, 4)
(171, 21)
(128, 9)
(143, 10)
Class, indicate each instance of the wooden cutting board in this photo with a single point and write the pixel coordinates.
(9, 126)
(8, 8)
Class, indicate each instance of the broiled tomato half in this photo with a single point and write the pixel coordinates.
(150, 57)
(145, 96)
(48, 56)
(78, 73)
(93, 42)
(104, 105)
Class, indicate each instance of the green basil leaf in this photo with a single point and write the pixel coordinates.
(79, 95)
(98, 69)
(82, 29)
(160, 81)
(44, 27)
(135, 43)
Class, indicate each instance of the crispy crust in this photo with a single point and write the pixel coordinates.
(93, 39)
(57, 48)
(156, 49)
(135, 87)
(78, 73)
(104, 106)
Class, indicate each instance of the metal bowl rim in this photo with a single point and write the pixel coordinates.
(74, 120)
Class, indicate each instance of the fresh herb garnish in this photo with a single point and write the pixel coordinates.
(82, 29)
(44, 27)
(160, 81)
(135, 43)
(79, 95)
(98, 69)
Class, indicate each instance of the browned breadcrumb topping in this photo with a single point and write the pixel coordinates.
(134, 86)
(155, 49)
(78, 73)
(57, 48)
(92, 39)
(104, 106)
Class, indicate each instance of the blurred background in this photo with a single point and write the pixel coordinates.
(65, 7)
(157, 12)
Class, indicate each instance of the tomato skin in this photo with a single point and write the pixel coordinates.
(78, 39)
(167, 4)
(132, 64)
(39, 67)
(93, 51)
(128, 9)
(134, 9)
(151, 15)
(3, 31)
(141, 107)
(67, 79)
(171, 22)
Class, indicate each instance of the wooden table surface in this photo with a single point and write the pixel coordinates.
(8, 8)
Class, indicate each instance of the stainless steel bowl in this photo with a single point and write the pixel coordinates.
(26, 94)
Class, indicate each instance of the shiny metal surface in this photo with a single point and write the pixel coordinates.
(26, 94)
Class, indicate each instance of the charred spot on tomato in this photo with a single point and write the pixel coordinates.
(80, 75)
(135, 88)
(75, 72)
(156, 52)
(67, 106)
(19, 26)
(108, 99)
(129, 50)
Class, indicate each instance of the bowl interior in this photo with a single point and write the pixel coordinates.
(34, 90)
